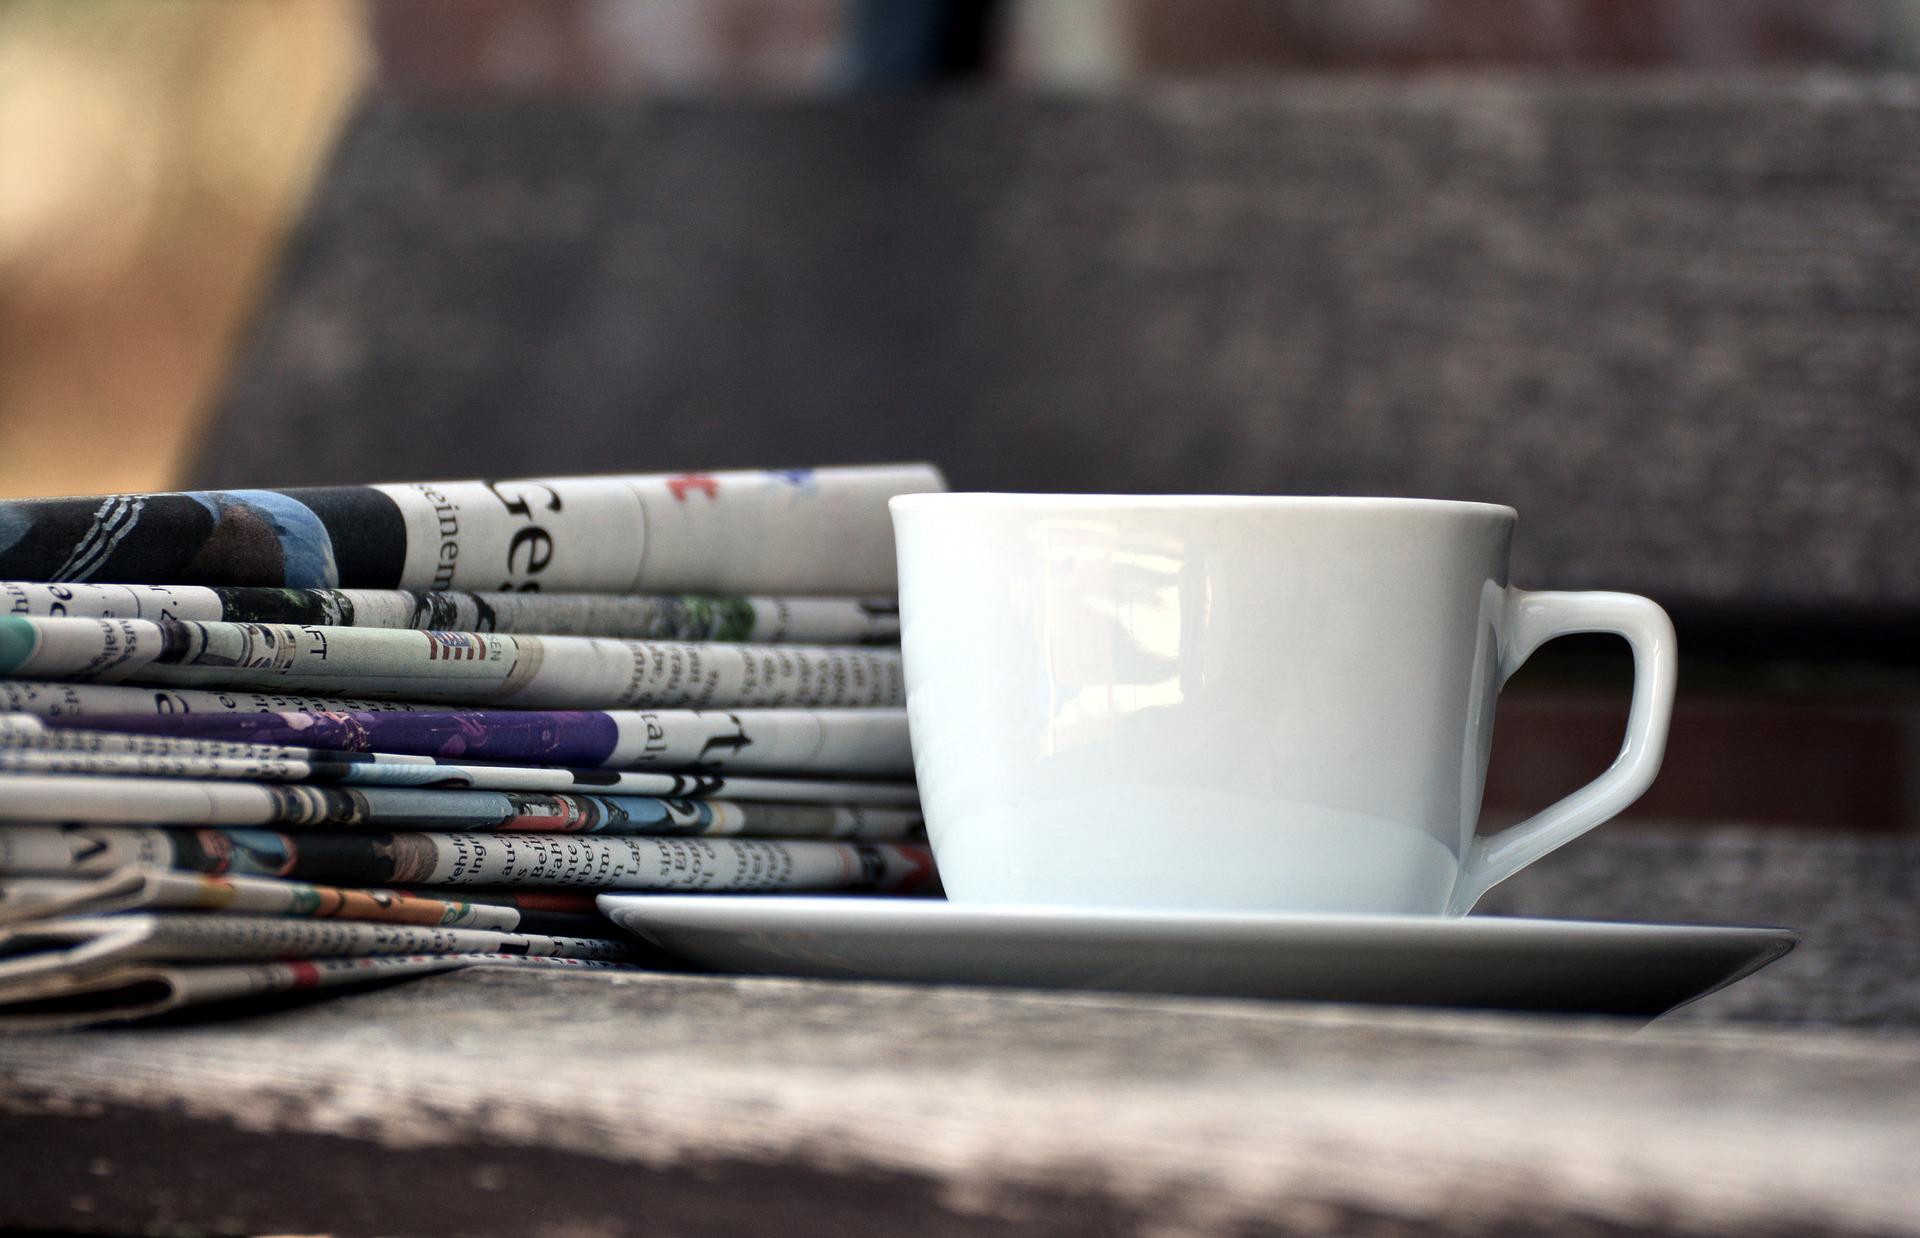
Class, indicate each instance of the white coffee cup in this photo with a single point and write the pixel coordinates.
(1230, 703)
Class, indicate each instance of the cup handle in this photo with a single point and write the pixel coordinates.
(1533, 619)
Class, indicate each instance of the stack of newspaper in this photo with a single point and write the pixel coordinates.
(257, 740)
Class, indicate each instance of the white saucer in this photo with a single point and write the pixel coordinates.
(1491, 962)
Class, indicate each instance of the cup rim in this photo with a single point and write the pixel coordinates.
(1151, 502)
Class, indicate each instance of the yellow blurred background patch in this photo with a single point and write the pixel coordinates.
(152, 155)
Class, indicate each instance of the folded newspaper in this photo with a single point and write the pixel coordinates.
(793, 531)
(140, 756)
(83, 969)
(117, 992)
(46, 699)
(867, 742)
(268, 741)
(474, 668)
(465, 858)
(42, 946)
(34, 798)
(680, 617)
(140, 888)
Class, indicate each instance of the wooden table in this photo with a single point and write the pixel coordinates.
(502, 1102)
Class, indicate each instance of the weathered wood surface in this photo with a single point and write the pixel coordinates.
(569, 1105)
(504, 1103)
(1673, 321)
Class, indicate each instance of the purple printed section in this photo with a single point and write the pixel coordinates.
(571, 737)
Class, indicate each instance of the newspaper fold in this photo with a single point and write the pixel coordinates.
(815, 741)
(673, 617)
(528, 902)
(68, 701)
(120, 992)
(475, 668)
(74, 943)
(798, 531)
(272, 764)
(103, 800)
(470, 859)
(138, 888)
